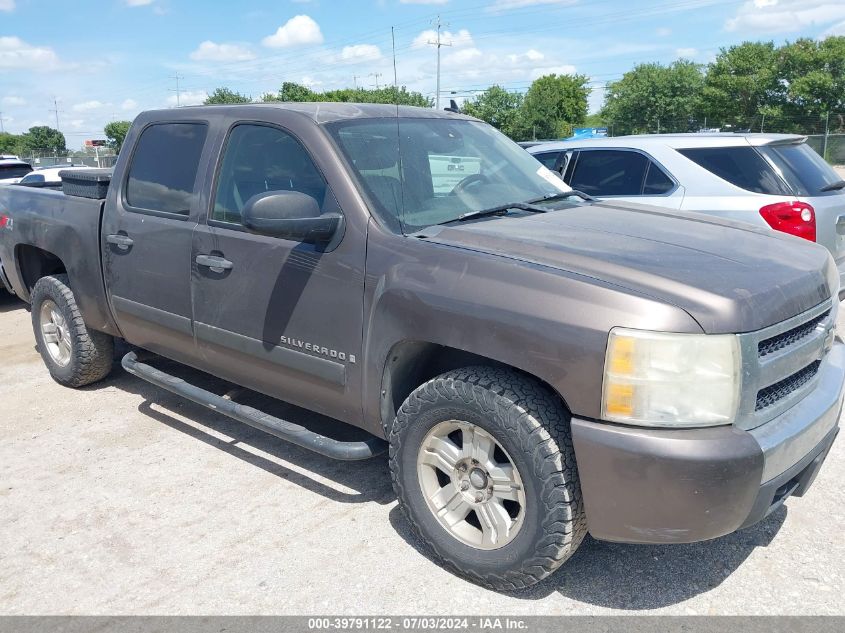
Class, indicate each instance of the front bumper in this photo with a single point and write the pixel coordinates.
(644, 485)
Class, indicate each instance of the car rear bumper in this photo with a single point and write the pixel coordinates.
(645, 485)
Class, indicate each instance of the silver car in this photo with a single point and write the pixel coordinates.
(772, 180)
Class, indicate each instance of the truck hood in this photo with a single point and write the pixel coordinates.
(729, 277)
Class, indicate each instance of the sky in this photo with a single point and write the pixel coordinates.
(99, 61)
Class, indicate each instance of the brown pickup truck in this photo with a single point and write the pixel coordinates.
(539, 364)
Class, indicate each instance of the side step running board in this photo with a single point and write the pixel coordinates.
(288, 431)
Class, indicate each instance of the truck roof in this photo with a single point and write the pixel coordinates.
(326, 112)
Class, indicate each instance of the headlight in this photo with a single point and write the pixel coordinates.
(671, 380)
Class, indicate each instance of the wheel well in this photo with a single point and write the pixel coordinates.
(35, 263)
(411, 363)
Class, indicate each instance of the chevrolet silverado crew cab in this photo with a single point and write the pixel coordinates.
(540, 365)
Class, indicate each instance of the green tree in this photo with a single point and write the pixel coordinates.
(116, 132)
(10, 143)
(43, 138)
(814, 73)
(742, 81)
(296, 92)
(501, 109)
(554, 104)
(654, 97)
(226, 96)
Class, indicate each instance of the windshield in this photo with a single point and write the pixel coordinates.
(805, 171)
(423, 172)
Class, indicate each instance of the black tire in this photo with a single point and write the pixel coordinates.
(91, 352)
(532, 425)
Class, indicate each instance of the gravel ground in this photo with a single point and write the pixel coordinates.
(122, 499)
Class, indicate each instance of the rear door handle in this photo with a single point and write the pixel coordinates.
(216, 264)
(123, 242)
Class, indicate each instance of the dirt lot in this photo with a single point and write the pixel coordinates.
(122, 499)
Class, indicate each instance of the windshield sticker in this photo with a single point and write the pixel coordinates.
(552, 178)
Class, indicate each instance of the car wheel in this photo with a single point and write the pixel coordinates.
(482, 463)
(75, 355)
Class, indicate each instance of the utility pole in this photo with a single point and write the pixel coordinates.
(2, 129)
(176, 77)
(56, 111)
(438, 43)
(826, 134)
(355, 81)
(376, 75)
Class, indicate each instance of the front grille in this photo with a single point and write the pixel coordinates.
(785, 339)
(773, 394)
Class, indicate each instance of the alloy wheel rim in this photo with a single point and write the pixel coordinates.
(471, 485)
(55, 333)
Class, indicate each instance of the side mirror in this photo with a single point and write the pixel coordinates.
(290, 215)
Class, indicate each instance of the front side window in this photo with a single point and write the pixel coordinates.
(164, 167)
(607, 172)
(259, 159)
(656, 181)
(429, 171)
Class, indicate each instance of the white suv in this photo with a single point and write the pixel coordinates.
(12, 170)
(773, 180)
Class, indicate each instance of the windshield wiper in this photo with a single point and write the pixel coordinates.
(501, 209)
(834, 186)
(566, 194)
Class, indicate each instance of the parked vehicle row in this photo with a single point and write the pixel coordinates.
(771, 180)
(539, 363)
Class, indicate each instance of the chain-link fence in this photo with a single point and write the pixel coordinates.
(43, 161)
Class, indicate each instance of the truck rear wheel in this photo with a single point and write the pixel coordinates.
(75, 355)
(482, 462)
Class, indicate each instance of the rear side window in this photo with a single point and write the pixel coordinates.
(33, 178)
(164, 167)
(805, 171)
(14, 171)
(740, 166)
(549, 159)
(610, 172)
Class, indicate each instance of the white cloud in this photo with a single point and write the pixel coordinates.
(836, 29)
(423, 1)
(664, 32)
(299, 30)
(129, 104)
(783, 16)
(686, 53)
(77, 123)
(138, 3)
(462, 57)
(86, 106)
(509, 5)
(13, 101)
(209, 51)
(456, 40)
(7, 5)
(16, 54)
(360, 52)
(565, 69)
(188, 97)
(530, 55)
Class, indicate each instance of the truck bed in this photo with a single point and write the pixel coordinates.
(66, 226)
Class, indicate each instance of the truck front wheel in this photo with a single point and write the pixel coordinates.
(483, 465)
(75, 355)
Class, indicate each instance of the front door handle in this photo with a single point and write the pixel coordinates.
(123, 242)
(216, 264)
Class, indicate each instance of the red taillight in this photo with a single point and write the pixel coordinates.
(4, 220)
(795, 218)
